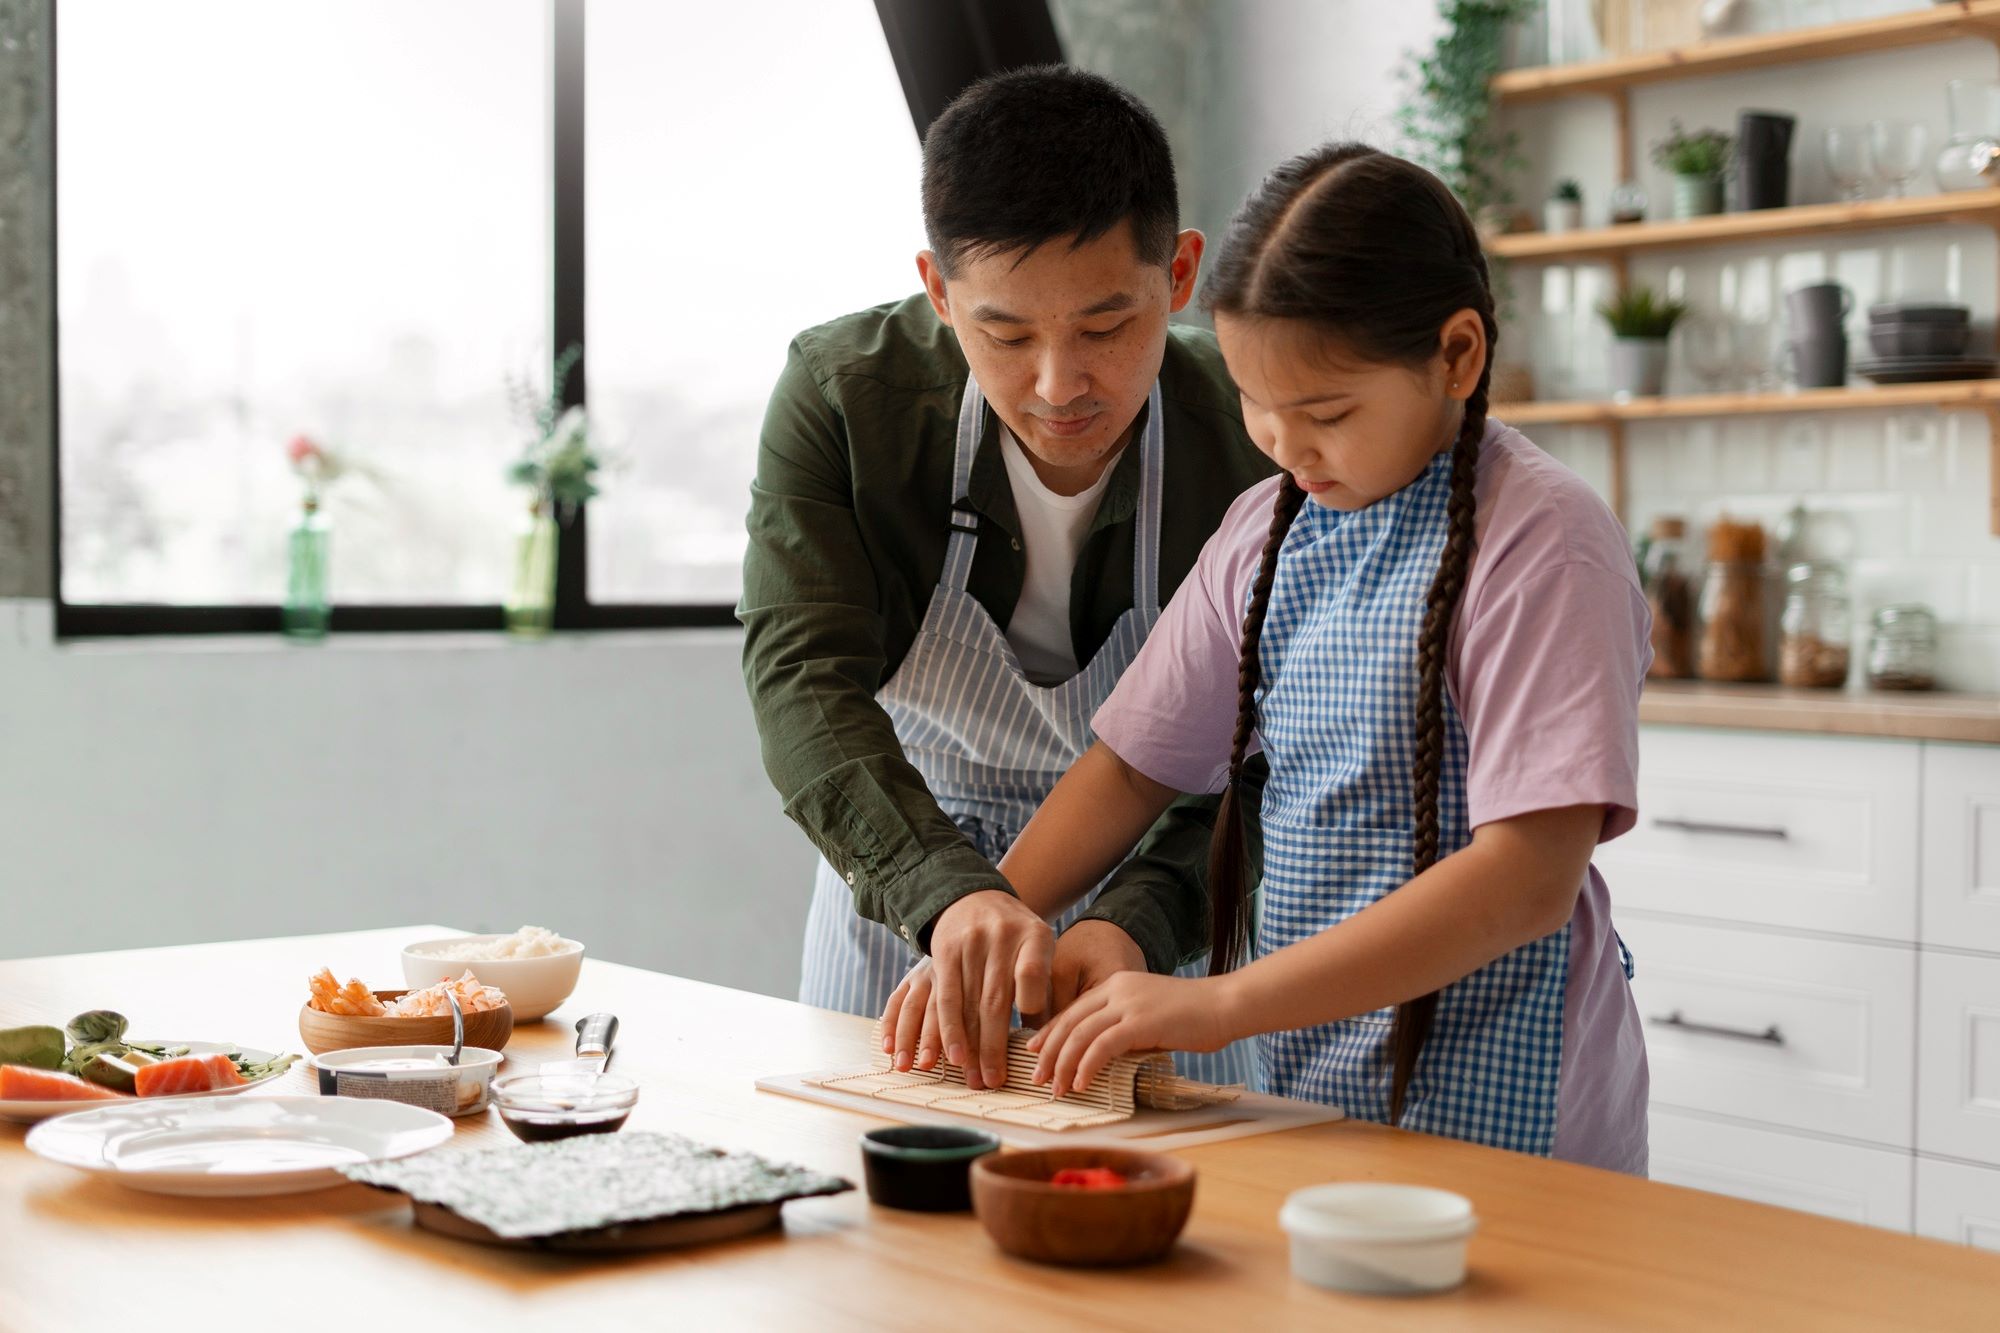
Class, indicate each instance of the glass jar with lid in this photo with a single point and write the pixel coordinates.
(1815, 626)
(1902, 652)
(1669, 592)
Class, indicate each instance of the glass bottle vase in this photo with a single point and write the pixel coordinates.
(531, 602)
(308, 607)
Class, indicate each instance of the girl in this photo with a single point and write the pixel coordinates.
(1436, 634)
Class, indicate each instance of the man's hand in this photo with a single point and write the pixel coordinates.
(989, 954)
(1089, 954)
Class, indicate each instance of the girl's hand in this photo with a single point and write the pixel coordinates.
(1132, 1011)
(910, 1030)
(1090, 953)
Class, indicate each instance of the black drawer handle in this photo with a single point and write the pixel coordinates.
(1769, 1036)
(1723, 830)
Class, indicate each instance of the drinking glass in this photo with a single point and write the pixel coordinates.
(1897, 149)
(1847, 160)
(1710, 344)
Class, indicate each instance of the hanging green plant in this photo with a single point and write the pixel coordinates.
(1447, 120)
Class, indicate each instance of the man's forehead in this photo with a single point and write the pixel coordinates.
(997, 312)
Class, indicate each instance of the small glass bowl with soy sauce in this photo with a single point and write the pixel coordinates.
(542, 1107)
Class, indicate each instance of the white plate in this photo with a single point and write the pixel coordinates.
(29, 1112)
(236, 1148)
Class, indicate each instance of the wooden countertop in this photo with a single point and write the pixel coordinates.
(1910, 715)
(1559, 1246)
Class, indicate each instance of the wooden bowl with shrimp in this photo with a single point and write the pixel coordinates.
(322, 1032)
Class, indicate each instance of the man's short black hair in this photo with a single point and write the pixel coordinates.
(1043, 153)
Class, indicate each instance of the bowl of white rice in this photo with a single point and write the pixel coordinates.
(536, 968)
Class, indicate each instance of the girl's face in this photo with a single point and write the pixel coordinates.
(1350, 432)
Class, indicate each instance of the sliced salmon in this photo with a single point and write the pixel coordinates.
(187, 1073)
(18, 1083)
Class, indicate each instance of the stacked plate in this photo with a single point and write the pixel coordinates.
(1913, 343)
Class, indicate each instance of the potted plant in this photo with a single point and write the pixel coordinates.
(1698, 162)
(558, 467)
(1564, 210)
(1640, 320)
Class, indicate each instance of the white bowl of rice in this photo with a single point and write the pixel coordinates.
(536, 968)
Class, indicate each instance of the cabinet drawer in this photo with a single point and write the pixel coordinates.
(1958, 1057)
(1958, 1203)
(1801, 1033)
(1808, 832)
(1961, 893)
(1866, 1185)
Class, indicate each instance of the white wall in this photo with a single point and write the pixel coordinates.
(605, 786)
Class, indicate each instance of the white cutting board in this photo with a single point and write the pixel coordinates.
(1251, 1113)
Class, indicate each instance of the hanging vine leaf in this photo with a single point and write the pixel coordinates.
(1447, 123)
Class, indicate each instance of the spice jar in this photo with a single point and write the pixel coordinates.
(1670, 597)
(1732, 604)
(1902, 653)
(1815, 626)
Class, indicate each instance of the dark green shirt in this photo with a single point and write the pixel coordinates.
(849, 517)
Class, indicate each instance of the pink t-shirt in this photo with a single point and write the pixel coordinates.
(1548, 652)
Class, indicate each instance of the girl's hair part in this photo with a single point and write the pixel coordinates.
(1374, 254)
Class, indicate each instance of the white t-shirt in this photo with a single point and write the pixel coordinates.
(1052, 531)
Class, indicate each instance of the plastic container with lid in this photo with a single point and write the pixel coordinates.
(1902, 653)
(1815, 627)
(1378, 1239)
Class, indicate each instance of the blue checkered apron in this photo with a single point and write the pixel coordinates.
(990, 743)
(1337, 717)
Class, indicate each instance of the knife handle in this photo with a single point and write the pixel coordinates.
(595, 1033)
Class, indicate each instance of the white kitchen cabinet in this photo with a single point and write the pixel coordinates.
(1813, 833)
(1855, 1184)
(1958, 1203)
(1802, 1033)
(1961, 856)
(1958, 1059)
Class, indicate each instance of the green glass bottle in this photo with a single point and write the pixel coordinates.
(308, 608)
(532, 601)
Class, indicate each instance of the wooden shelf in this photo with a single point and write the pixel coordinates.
(1963, 394)
(1727, 55)
(1953, 395)
(1981, 207)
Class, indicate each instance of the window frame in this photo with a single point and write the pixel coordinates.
(950, 47)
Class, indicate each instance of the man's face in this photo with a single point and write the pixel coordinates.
(1065, 343)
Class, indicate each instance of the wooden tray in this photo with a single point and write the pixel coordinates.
(665, 1233)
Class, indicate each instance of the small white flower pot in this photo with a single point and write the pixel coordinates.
(1561, 215)
(1638, 367)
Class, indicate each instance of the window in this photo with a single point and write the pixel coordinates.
(751, 172)
(326, 217)
(359, 220)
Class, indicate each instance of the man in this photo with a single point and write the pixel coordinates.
(969, 507)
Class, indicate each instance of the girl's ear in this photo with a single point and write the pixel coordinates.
(1462, 349)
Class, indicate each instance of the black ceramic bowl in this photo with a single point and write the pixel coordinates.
(1896, 338)
(923, 1168)
(1917, 312)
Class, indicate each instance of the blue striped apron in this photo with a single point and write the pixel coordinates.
(1337, 717)
(990, 743)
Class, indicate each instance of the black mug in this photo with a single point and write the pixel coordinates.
(1764, 149)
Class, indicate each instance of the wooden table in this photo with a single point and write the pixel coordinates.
(1559, 1246)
